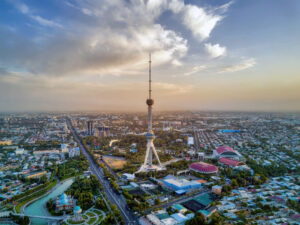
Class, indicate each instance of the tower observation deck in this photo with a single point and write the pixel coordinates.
(148, 165)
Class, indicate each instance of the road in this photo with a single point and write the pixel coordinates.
(196, 141)
(112, 196)
(43, 217)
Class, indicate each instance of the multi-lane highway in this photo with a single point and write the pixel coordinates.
(196, 141)
(112, 196)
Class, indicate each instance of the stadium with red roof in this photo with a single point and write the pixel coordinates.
(230, 162)
(205, 168)
(226, 151)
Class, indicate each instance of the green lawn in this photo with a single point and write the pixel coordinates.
(99, 220)
(98, 211)
(73, 222)
(90, 214)
(92, 220)
(84, 217)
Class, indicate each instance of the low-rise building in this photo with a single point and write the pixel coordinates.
(35, 174)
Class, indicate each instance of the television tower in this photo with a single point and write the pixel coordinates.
(147, 165)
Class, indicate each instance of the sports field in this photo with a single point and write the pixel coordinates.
(114, 162)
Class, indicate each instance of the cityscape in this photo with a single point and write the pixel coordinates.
(111, 113)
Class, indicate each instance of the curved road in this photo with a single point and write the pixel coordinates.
(113, 197)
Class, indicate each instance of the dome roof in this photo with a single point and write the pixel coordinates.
(230, 162)
(64, 199)
(204, 167)
(77, 209)
(223, 149)
(63, 196)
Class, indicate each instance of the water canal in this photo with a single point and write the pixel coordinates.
(39, 207)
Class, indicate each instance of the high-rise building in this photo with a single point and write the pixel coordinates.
(103, 131)
(148, 165)
(90, 127)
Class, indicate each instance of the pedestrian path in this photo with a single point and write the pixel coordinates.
(90, 217)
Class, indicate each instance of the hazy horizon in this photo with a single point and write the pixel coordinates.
(209, 55)
(146, 112)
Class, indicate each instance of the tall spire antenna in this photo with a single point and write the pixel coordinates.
(150, 76)
(150, 151)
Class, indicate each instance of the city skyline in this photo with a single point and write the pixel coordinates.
(208, 55)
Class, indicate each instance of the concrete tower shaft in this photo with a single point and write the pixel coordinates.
(147, 165)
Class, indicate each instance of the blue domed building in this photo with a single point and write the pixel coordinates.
(77, 214)
(77, 210)
(64, 202)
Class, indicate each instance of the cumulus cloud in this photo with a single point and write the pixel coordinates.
(176, 6)
(245, 64)
(115, 36)
(215, 50)
(200, 22)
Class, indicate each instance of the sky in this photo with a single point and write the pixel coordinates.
(92, 55)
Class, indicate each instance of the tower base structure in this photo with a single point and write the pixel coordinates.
(147, 168)
(148, 165)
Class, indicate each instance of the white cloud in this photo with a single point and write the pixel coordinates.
(195, 69)
(248, 63)
(176, 5)
(45, 22)
(225, 7)
(23, 8)
(200, 22)
(87, 11)
(170, 88)
(215, 50)
(114, 39)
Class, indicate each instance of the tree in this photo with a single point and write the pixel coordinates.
(199, 219)
(216, 219)
(43, 179)
(157, 201)
(85, 200)
(234, 183)
(100, 204)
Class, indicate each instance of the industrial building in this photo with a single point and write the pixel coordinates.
(183, 184)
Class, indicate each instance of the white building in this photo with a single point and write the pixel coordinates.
(19, 151)
(74, 152)
(216, 189)
(128, 176)
(64, 148)
(190, 141)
